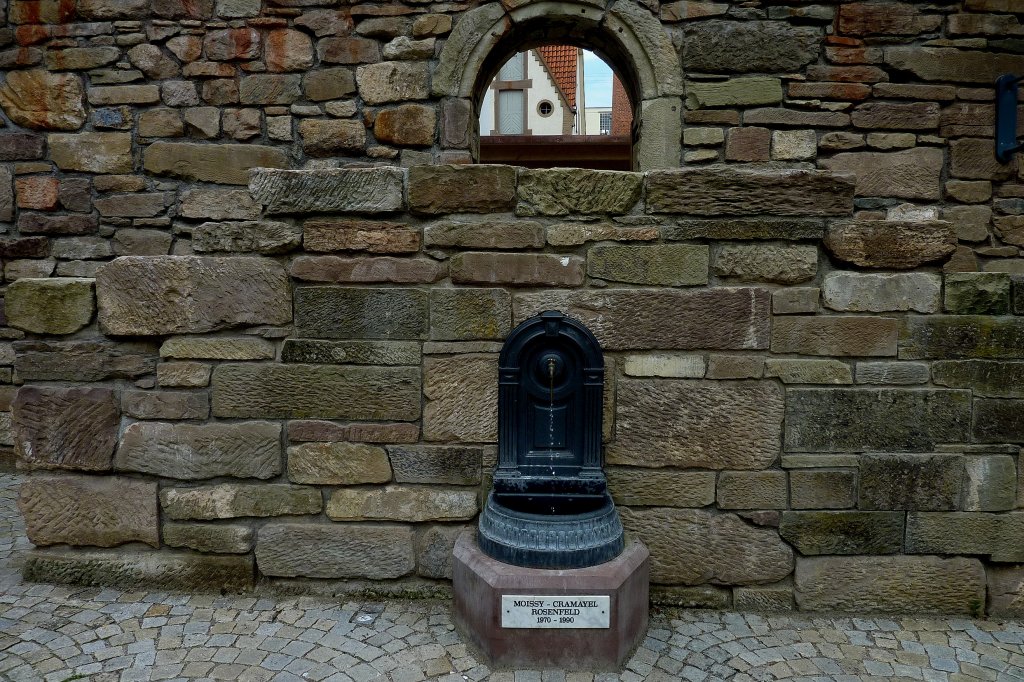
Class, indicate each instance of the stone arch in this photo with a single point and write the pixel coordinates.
(626, 34)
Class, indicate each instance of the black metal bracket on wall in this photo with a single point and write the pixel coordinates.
(1006, 117)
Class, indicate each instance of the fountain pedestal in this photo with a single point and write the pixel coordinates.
(484, 587)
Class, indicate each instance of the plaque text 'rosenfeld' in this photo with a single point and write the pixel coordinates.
(573, 611)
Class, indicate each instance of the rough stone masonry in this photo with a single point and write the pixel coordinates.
(254, 290)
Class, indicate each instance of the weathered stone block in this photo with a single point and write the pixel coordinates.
(561, 191)
(385, 82)
(711, 425)
(801, 371)
(183, 374)
(900, 373)
(891, 244)
(87, 510)
(693, 547)
(752, 490)
(92, 152)
(402, 503)
(843, 532)
(335, 550)
(911, 481)
(733, 92)
(230, 501)
(217, 348)
(995, 535)
(794, 300)
(82, 360)
(881, 292)
(1005, 591)
(662, 264)
(434, 547)
(43, 100)
(461, 394)
(855, 420)
(379, 269)
(911, 174)
(719, 46)
(990, 483)
(356, 190)
(347, 234)
(132, 570)
(409, 125)
(132, 205)
(783, 264)
(664, 365)
(469, 314)
(575, 234)
(332, 137)
(660, 487)
(338, 464)
(250, 236)
(57, 305)
(65, 428)
(310, 351)
(215, 538)
(998, 421)
(986, 378)
(165, 405)
(727, 190)
(316, 430)
(535, 269)
(461, 189)
(835, 335)
(951, 337)
(316, 391)
(226, 164)
(822, 488)
(193, 452)
(721, 318)
(487, 234)
(974, 158)
(455, 465)
(340, 312)
(328, 83)
(151, 295)
(977, 293)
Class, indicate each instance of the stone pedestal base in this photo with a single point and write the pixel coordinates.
(480, 582)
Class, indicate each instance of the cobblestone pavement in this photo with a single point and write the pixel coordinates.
(59, 633)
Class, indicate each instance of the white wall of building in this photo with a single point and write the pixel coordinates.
(593, 115)
(543, 88)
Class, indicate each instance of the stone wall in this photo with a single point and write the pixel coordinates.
(813, 330)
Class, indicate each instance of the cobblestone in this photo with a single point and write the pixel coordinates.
(61, 633)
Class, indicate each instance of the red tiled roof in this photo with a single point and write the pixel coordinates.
(561, 62)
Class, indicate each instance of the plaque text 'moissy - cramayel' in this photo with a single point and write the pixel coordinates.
(570, 611)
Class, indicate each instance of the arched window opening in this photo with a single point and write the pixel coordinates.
(556, 105)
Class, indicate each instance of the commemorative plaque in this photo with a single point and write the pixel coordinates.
(544, 611)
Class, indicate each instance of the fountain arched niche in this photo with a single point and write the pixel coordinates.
(626, 35)
(549, 506)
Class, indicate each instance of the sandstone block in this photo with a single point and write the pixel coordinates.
(664, 365)
(1005, 591)
(892, 373)
(217, 348)
(21, 146)
(161, 570)
(446, 464)
(711, 425)
(343, 312)
(92, 152)
(487, 234)
(461, 394)
(288, 50)
(132, 205)
(891, 18)
(747, 91)
(82, 360)
(998, 421)
(385, 82)
(800, 371)
(315, 430)
(843, 532)
(996, 535)
(822, 488)
(377, 552)
(749, 143)
(660, 487)
(183, 374)
(193, 452)
(882, 292)
(382, 269)
(990, 483)
(332, 137)
(974, 158)
(87, 510)
(227, 164)
(218, 204)
(560, 191)
(328, 83)
(517, 269)
(249, 236)
(719, 46)
(784, 264)
(911, 174)
(894, 244)
(693, 547)
(911, 481)
(165, 405)
(42, 100)
(204, 537)
(184, 294)
(357, 190)
(724, 190)
(835, 335)
(951, 337)
(575, 234)
(347, 234)
(230, 501)
(461, 189)
(469, 314)
(663, 264)
(721, 318)
(402, 503)
(752, 490)
(952, 65)
(312, 351)
(977, 293)
(896, 115)
(65, 428)
(316, 391)
(874, 419)
(409, 125)
(338, 464)
(58, 305)
(39, 223)
(434, 547)
(795, 300)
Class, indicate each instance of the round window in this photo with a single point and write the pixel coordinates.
(545, 108)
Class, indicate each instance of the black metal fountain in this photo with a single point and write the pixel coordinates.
(549, 579)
